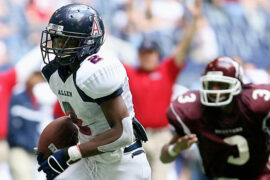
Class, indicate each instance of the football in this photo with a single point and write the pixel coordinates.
(58, 134)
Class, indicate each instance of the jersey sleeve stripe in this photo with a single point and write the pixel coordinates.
(114, 94)
(184, 126)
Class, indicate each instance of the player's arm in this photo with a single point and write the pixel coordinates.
(183, 46)
(120, 134)
(176, 145)
(183, 138)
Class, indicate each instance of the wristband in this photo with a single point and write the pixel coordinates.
(74, 153)
(171, 152)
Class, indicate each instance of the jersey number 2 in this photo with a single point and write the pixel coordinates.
(94, 59)
(69, 111)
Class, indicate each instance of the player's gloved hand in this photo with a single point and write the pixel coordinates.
(58, 161)
(55, 164)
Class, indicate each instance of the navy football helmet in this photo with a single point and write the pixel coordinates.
(74, 32)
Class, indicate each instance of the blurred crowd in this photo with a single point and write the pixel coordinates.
(229, 27)
(238, 28)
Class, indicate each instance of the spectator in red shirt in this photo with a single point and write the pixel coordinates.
(151, 86)
(8, 79)
(7, 82)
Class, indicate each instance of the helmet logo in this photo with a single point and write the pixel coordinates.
(96, 30)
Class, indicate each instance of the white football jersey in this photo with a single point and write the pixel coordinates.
(100, 77)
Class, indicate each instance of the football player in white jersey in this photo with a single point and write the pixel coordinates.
(92, 88)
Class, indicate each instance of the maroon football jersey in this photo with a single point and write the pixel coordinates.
(231, 145)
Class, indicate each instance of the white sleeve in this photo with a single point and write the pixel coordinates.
(102, 81)
(28, 64)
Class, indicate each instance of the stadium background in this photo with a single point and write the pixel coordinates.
(238, 28)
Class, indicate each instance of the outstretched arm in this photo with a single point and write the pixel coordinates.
(183, 46)
(177, 144)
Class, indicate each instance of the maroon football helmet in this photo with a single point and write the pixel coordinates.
(225, 73)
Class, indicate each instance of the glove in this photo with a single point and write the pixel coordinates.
(55, 164)
(139, 130)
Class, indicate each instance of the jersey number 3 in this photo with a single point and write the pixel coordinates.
(242, 146)
(69, 111)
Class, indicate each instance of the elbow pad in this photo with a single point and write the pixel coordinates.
(125, 139)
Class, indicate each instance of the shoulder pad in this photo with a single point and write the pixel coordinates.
(183, 110)
(188, 105)
(100, 76)
(257, 97)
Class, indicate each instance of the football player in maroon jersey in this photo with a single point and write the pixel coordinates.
(227, 119)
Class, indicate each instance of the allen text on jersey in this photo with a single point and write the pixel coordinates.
(64, 93)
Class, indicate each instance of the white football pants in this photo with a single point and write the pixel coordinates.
(129, 167)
